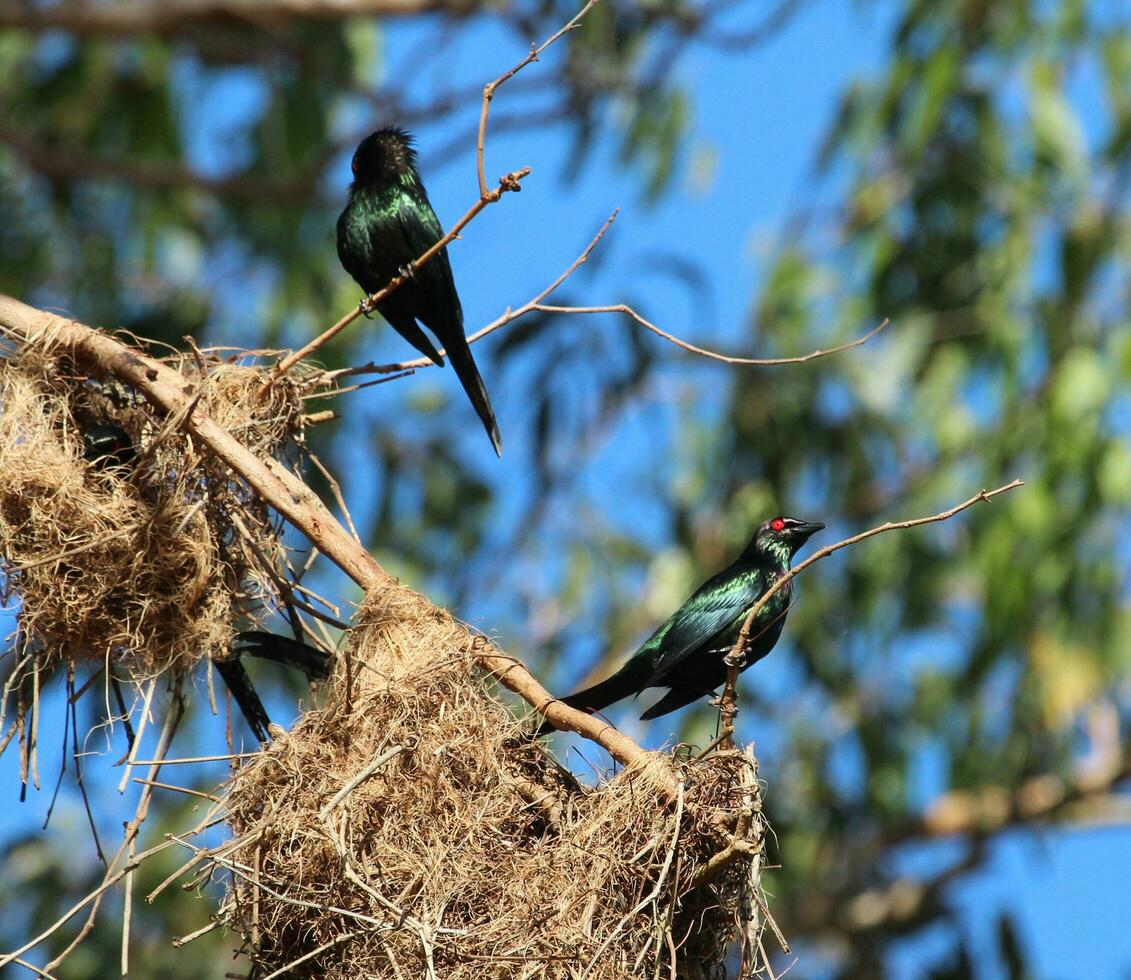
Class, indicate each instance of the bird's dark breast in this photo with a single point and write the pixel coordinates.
(370, 244)
(373, 249)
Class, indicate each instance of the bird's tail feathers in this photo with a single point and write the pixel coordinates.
(282, 649)
(245, 696)
(620, 685)
(460, 355)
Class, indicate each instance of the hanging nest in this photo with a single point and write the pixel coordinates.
(146, 565)
(409, 829)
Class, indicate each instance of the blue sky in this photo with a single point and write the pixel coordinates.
(757, 121)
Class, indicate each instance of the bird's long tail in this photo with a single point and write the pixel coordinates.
(628, 680)
(460, 354)
(245, 696)
(283, 650)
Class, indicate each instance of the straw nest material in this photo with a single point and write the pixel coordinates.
(147, 565)
(408, 829)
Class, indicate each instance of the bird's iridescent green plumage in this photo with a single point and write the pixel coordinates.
(387, 223)
(686, 653)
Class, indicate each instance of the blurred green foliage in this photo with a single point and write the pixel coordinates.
(971, 205)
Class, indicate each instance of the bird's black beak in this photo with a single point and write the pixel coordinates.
(804, 530)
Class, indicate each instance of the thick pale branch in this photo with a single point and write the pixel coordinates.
(173, 394)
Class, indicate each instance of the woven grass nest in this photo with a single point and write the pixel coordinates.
(408, 829)
(147, 567)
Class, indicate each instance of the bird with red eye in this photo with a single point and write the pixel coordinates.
(686, 653)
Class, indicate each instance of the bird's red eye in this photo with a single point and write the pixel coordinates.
(777, 524)
(353, 166)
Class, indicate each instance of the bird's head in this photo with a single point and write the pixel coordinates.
(385, 155)
(781, 537)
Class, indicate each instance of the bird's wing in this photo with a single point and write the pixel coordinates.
(421, 229)
(715, 606)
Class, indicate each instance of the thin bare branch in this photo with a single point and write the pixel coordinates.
(537, 305)
(490, 87)
(703, 351)
(728, 702)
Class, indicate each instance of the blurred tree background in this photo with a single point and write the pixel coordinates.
(176, 169)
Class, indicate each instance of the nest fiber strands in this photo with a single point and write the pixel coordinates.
(408, 829)
(147, 564)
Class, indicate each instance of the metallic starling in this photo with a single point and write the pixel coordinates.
(686, 653)
(387, 223)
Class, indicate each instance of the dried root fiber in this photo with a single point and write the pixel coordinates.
(408, 829)
(146, 565)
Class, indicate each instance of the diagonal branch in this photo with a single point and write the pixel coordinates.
(173, 394)
(537, 305)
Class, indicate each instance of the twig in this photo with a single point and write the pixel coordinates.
(360, 778)
(728, 702)
(489, 88)
(202, 931)
(130, 761)
(703, 351)
(178, 789)
(34, 969)
(164, 741)
(330, 944)
(196, 758)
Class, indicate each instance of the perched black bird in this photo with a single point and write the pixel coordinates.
(267, 646)
(387, 223)
(105, 444)
(686, 653)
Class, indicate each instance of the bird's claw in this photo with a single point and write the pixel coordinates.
(365, 307)
(407, 271)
